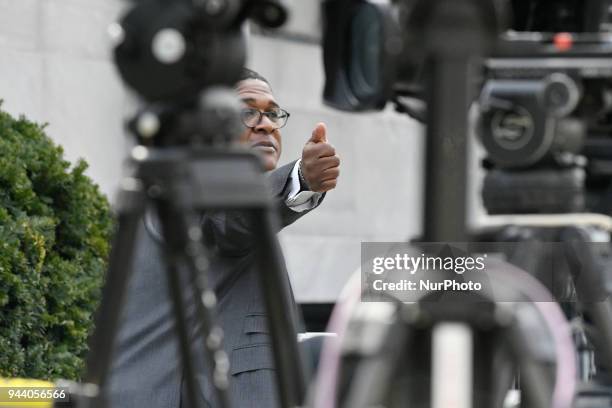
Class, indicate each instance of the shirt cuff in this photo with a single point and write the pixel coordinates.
(298, 200)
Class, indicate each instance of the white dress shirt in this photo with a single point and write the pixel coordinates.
(298, 200)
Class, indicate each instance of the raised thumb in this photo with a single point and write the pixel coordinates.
(319, 134)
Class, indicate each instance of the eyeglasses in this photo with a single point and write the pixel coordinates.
(251, 117)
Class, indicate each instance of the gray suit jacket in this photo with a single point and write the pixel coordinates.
(146, 369)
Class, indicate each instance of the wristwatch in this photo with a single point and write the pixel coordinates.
(303, 184)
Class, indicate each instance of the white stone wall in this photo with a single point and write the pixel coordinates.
(55, 67)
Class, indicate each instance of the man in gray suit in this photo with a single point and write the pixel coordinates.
(146, 368)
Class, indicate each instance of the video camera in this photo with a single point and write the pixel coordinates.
(536, 74)
(183, 58)
(545, 94)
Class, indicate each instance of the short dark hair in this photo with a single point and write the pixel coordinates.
(250, 74)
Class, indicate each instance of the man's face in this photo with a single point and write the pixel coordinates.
(264, 137)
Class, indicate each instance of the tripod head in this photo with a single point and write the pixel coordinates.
(178, 56)
(171, 50)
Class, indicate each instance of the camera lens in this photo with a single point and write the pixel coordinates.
(366, 38)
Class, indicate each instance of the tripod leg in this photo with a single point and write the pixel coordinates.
(589, 278)
(174, 239)
(445, 199)
(281, 311)
(130, 209)
(217, 362)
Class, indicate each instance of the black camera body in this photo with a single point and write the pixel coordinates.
(544, 93)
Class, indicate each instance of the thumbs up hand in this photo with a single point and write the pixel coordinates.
(320, 163)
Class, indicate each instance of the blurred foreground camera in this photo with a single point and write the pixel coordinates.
(362, 44)
(170, 50)
(178, 55)
(183, 58)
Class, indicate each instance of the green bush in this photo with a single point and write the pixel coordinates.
(55, 227)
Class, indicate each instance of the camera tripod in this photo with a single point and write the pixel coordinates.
(181, 183)
(177, 56)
